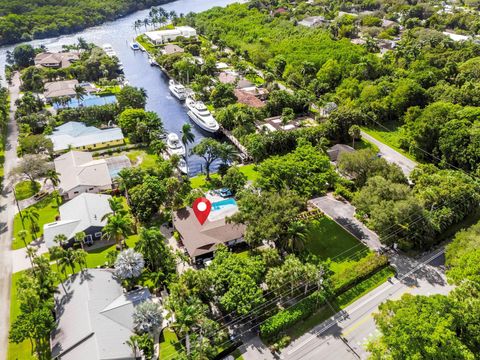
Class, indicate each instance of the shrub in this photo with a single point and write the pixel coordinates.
(358, 271)
(288, 317)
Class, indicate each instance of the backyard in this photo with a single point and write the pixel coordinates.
(199, 181)
(47, 211)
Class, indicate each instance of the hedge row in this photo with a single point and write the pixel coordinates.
(341, 282)
(289, 317)
(358, 271)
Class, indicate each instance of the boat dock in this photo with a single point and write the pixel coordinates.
(245, 156)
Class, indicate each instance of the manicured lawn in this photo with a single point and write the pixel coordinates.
(328, 240)
(146, 160)
(341, 302)
(47, 211)
(95, 258)
(390, 137)
(168, 344)
(200, 182)
(142, 40)
(26, 189)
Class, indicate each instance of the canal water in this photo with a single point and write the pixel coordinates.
(137, 69)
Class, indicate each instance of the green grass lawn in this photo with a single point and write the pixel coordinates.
(47, 211)
(95, 258)
(341, 302)
(328, 240)
(146, 160)
(199, 182)
(391, 137)
(26, 189)
(168, 344)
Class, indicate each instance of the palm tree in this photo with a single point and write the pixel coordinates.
(80, 238)
(60, 239)
(355, 133)
(54, 178)
(118, 227)
(32, 254)
(129, 266)
(295, 237)
(22, 234)
(31, 214)
(67, 258)
(146, 22)
(116, 205)
(81, 258)
(80, 93)
(228, 153)
(56, 253)
(187, 138)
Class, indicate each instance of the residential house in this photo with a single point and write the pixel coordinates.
(232, 77)
(164, 36)
(313, 21)
(327, 109)
(201, 240)
(64, 88)
(79, 174)
(56, 60)
(276, 123)
(247, 98)
(336, 150)
(77, 135)
(83, 213)
(170, 49)
(456, 37)
(94, 317)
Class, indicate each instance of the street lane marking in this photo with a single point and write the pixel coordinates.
(356, 325)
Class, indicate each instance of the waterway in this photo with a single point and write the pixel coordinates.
(138, 71)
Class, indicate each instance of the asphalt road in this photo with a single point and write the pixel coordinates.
(392, 155)
(344, 336)
(7, 212)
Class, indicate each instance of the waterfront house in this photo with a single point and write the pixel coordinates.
(94, 317)
(159, 37)
(313, 21)
(170, 49)
(64, 88)
(79, 173)
(56, 60)
(83, 213)
(77, 135)
(201, 240)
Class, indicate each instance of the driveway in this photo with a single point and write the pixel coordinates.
(7, 212)
(392, 155)
(343, 214)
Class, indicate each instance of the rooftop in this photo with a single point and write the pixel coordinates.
(247, 98)
(78, 214)
(76, 134)
(94, 317)
(62, 59)
(336, 150)
(78, 168)
(172, 49)
(202, 239)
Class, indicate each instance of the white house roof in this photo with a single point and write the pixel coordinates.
(94, 317)
(77, 134)
(84, 211)
(456, 37)
(60, 88)
(78, 168)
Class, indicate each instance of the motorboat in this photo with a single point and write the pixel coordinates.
(177, 89)
(174, 145)
(198, 112)
(134, 46)
(182, 166)
(152, 61)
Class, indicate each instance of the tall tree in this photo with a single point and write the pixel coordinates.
(118, 227)
(210, 150)
(187, 138)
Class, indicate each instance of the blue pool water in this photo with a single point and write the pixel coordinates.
(89, 100)
(220, 204)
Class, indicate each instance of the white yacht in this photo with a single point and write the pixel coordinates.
(178, 90)
(134, 46)
(174, 145)
(182, 166)
(198, 112)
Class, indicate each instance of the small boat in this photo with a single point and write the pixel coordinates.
(152, 61)
(174, 145)
(200, 115)
(178, 90)
(182, 166)
(134, 46)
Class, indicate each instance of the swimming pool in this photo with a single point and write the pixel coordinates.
(89, 100)
(218, 205)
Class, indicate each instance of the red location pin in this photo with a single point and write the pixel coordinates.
(201, 208)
